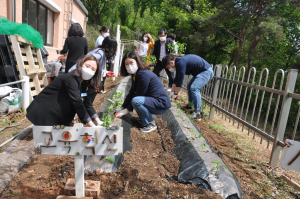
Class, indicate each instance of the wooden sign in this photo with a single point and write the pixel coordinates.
(78, 140)
(290, 158)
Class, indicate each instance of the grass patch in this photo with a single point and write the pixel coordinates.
(216, 127)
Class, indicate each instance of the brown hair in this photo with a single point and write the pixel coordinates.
(95, 82)
(140, 63)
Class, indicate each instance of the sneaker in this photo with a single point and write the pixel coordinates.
(187, 107)
(150, 127)
(102, 91)
(196, 116)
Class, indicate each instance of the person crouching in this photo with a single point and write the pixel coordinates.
(147, 94)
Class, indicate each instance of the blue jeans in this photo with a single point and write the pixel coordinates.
(194, 86)
(145, 111)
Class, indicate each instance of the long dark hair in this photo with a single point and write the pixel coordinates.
(95, 82)
(142, 38)
(75, 30)
(109, 47)
(140, 64)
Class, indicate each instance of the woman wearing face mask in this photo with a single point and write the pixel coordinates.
(147, 42)
(58, 103)
(104, 32)
(102, 53)
(147, 94)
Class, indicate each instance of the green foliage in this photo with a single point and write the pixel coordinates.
(107, 120)
(216, 166)
(181, 47)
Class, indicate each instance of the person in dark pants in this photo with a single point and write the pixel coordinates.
(58, 102)
(189, 65)
(160, 51)
(75, 45)
(108, 68)
(147, 94)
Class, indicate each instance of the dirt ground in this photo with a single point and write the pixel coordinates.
(142, 174)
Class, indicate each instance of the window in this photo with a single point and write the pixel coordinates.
(40, 18)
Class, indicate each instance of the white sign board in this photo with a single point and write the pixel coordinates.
(290, 158)
(78, 140)
(139, 46)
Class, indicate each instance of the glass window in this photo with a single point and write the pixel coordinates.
(50, 27)
(32, 14)
(42, 22)
(24, 11)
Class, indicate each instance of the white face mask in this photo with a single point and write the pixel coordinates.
(172, 70)
(162, 38)
(145, 38)
(131, 69)
(87, 73)
(105, 34)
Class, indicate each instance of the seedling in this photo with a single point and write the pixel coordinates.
(203, 145)
(110, 159)
(116, 102)
(216, 166)
(200, 135)
(107, 120)
(135, 190)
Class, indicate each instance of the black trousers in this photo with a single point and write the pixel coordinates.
(69, 65)
(159, 68)
(108, 67)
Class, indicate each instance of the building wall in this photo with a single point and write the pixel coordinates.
(59, 33)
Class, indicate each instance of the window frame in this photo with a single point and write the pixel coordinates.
(38, 4)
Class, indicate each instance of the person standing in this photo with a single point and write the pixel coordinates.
(189, 65)
(104, 32)
(147, 42)
(147, 94)
(75, 45)
(160, 51)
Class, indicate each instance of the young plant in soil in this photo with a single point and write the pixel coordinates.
(116, 103)
(171, 47)
(216, 166)
(181, 47)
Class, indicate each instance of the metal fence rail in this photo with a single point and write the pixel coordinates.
(229, 94)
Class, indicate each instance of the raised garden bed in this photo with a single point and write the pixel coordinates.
(147, 171)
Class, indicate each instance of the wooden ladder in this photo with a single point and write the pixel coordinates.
(29, 63)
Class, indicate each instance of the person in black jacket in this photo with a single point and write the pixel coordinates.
(160, 51)
(75, 45)
(147, 94)
(58, 102)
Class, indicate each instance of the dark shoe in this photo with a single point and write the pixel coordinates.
(187, 107)
(196, 116)
(148, 128)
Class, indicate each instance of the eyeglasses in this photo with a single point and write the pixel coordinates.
(112, 128)
(58, 127)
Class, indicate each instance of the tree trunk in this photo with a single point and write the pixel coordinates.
(238, 52)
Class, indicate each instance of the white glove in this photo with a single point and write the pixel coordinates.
(172, 94)
(122, 113)
(99, 123)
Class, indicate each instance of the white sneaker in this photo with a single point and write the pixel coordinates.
(102, 91)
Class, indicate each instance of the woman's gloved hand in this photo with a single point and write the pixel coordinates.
(110, 74)
(171, 95)
(121, 113)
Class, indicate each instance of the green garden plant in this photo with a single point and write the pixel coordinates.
(181, 47)
(116, 103)
(216, 166)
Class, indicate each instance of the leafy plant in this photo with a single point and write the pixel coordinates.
(107, 120)
(135, 190)
(181, 47)
(203, 145)
(171, 47)
(200, 135)
(216, 166)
